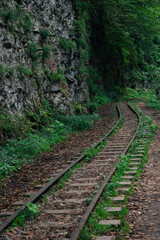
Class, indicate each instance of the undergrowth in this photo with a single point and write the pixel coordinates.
(41, 132)
(32, 210)
(146, 95)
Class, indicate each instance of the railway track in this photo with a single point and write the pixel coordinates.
(65, 213)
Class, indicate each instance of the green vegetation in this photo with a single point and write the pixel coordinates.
(16, 18)
(77, 122)
(45, 34)
(146, 95)
(33, 51)
(29, 138)
(46, 52)
(2, 71)
(67, 44)
(55, 76)
(93, 228)
(26, 22)
(121, 41)
(24, 71)
(30, 212)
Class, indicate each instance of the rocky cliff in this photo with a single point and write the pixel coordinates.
(39, 57)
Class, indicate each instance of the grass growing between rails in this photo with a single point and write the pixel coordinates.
(30, 212)
(33, 210)
(93, 228)
(25, 148)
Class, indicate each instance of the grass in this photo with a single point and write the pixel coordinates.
(32, 210)
(78, 122)
(92, 227)
(23, 150)
(24, 71)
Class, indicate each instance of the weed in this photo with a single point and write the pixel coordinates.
(67, 44)
(2, 71)
(44, 33)
(55, 76)
(26, 22)
(31, 211)
(46, 52)
(24, 71)
(33, 51)
(10, 14)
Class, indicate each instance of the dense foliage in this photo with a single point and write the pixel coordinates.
(125, 40)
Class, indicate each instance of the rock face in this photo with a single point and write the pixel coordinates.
(39, 58)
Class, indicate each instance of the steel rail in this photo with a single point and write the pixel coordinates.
(96, 198)
(44, 189)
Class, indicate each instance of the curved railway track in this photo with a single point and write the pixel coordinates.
(64, 214)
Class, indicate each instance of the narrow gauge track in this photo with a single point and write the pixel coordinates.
(8, 216)
(62, 213)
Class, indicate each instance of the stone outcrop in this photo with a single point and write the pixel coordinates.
(39, 58)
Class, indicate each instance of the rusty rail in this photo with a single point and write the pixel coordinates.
(44, 189)
(96, 198)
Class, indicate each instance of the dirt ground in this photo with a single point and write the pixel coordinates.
(144, 204)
